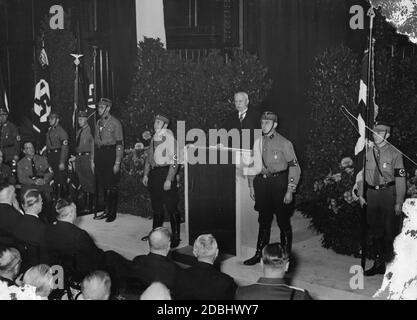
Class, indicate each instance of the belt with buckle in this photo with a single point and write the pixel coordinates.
(382, 186)
(8, 145)
(159, 167)
(271, 175)
(83, 153)
(107, 146)
(54, 150)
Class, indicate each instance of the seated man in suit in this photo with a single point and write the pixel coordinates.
(156, 266)
(74, 249)
(10, 262)
(203, 281)
(275, 262)
(34, 172)
(9, 217)
(31, 230)
(5, 171)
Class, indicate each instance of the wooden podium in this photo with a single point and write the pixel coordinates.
(217, 200)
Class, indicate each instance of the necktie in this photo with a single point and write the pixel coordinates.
(79, 138)
(377, 181)
(242, 116)
(34, 171)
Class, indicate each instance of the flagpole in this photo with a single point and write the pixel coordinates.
(77, 63)
(371, 14)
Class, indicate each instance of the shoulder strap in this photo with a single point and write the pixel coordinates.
(292, 294)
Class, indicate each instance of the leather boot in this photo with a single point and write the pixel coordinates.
(175, 229)
(286, 241)
(113, 208)
(379, 264)
(108, 199)
(158, 221)
(92, 203)
(86, 199)
(263, 240)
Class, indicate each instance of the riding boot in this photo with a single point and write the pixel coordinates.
(86, 199)
(92, 203)
(286, 241)
(379, 264)
(263, 240)
(113, 209)
(158, 221)
(108, 200)
(175, 228)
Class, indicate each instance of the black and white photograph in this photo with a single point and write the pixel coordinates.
(216, 154)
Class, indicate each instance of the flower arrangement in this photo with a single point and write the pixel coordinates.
(17, 293)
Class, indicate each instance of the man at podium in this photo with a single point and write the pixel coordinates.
(273, 187)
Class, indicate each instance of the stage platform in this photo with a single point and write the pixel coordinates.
(323, 272)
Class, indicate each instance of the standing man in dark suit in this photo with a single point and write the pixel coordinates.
(203, 281)
(243, 118)
(156, 266)
(275, 262)
(9, 217)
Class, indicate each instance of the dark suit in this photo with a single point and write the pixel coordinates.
(251, 122)
(73, 248)
(204, 282)
(271, 289)
(9, 219)
(154, 267)
(31, 231)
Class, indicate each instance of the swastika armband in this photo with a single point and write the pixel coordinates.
(293, 163)
(399, 173)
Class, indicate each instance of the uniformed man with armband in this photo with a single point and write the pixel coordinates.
(274, 184)
(57, 153)
(386, 187)
(108, 156)
(161, 167)
(9, 140)
(84, 162)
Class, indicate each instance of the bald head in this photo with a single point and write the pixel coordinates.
(96, 286)
(156, 291)
(160, 241)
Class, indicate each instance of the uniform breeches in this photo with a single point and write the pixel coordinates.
(60, 177)
(104, 159)
(84, 173)
(380, 213)
(269, 200)
(160, 197)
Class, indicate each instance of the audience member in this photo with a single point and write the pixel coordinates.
(96, 286)
(10, 262)
(156, 266)
(156, 291)
(9, 217)
(203, 281)
(275, 262)
(6, 173)
(41, 278)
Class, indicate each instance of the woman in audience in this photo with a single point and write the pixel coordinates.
(41, 278)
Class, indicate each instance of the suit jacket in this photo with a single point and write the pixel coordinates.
(271, 289)
(9, 219)
(31, 231)
(72, 247)
(251, 122)
(203, 281)
(154, 267)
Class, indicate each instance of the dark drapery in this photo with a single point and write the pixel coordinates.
(287, 35)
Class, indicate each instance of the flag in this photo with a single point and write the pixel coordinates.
(3, 94)
(42, 103)
(150, 20)
(365, 110)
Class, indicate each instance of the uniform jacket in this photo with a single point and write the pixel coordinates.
(73, 247)
(204, 281)
(9, 219)
(57, 138)
(271, 289)
(274, 154)
(9, 141)
(109, 132)
(6, 174)
(154, 267)
(85, 141)
(25, 172)
(251, 122)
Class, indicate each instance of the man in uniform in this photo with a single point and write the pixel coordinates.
(161, 167)
(57, 154)
(34, 172)
(272, 286)
(9, 139)
(6, 173)
(386, 186)
(84, 161)
(108, 156)
(274, 186)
